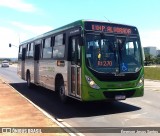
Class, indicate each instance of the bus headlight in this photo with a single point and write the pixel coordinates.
(141, 82)
(91, 83)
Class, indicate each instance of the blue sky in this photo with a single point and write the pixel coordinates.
(23, 19)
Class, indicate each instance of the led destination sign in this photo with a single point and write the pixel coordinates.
(110, 28)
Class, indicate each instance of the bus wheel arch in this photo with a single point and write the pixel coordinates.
(60, 88)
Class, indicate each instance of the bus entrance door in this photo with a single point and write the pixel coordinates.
(75, 79)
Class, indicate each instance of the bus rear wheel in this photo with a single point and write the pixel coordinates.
(61, 91)
(28, 78)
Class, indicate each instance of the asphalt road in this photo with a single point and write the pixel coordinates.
(135, 112)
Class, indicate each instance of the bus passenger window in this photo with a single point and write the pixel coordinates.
(59, 46)
(30, 54)
(27, 50)
(47, 50)
(20, 52)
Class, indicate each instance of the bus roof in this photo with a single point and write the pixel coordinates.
(68, 26)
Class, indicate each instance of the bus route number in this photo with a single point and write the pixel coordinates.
(104, 63)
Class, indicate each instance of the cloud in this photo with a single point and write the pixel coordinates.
(35, 30)
(150, 38)
(19, 5)
(18, 34)
(8, 36)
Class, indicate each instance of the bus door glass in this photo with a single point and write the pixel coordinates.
(36, 62)
(75, 67)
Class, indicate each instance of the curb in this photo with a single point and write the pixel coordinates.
(66, 127)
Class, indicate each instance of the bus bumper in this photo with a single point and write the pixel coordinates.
(90, 94)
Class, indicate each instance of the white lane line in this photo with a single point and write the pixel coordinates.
(72, 129)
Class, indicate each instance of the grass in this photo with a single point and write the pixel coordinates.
(152, 73)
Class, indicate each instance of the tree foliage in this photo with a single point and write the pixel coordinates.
(150, 59)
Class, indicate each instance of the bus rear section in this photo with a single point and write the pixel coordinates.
(112, 62)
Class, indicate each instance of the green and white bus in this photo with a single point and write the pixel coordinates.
(86, 60)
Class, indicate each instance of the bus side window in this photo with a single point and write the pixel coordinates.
(41, 50)
(37, 52)
(27, 50)
(20, 52)
(23, 54)
(30, 54)
(52, 41)
(43, 41)
(47, 48)
(59, 46)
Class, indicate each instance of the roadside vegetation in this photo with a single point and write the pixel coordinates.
(10, 60)
(152, 60)
(152, 73)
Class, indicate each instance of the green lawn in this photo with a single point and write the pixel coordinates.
(152, 73)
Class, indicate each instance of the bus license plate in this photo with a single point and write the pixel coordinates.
(120, 97)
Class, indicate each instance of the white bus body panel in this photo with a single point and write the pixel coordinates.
(43, 73)
(48, 70)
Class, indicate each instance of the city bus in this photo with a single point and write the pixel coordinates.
(86, 60)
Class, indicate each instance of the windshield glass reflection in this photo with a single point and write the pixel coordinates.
(112, 54)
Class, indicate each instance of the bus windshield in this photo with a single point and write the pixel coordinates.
(110, 54)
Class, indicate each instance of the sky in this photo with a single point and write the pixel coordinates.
(24, 19)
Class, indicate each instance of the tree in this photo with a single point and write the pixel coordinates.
(157, 60)
(149, 59)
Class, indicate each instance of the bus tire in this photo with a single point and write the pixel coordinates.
(61, 91)
(28, 79)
